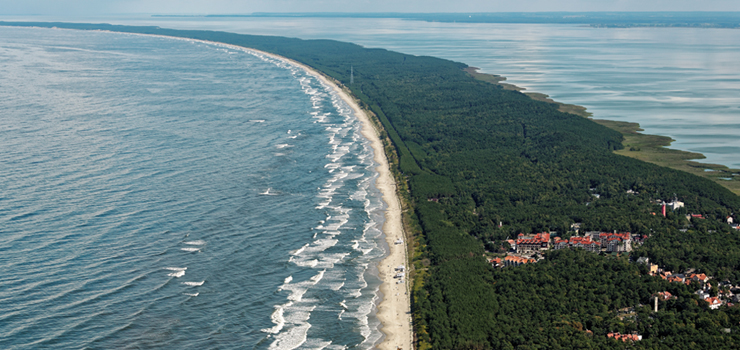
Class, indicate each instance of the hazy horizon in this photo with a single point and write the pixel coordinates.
(192, 7)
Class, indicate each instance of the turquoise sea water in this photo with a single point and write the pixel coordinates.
(163, 193)
(678, 82)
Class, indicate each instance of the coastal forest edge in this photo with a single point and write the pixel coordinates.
(476, 164)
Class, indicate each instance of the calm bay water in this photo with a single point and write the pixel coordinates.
(163, 193)
(678, 82)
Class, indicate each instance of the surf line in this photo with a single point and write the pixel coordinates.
(396, 326)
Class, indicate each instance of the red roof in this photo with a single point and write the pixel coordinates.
(537, 239)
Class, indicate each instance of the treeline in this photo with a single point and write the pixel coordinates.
(485, 163)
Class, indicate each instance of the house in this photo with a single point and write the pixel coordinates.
(575, 227)
(511, 260)
(495, 262)
(702, 294)
(678, 278)
(585, 243)
(512, 244)
(666, 295)
(529, 244)
(560, 243)
(616, 242)
(714, 302)
(700, 277)
(624, 337)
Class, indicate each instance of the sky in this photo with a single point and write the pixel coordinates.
(102, 7)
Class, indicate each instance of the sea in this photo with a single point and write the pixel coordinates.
(173, 194)
(169, 193)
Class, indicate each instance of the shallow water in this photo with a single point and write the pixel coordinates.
(162, 193)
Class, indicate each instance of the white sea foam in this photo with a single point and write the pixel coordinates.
(192, 294)
(257, 120)
(336, 286)
(177, 274)
(176, 268)
(269, 192)
(304, 263)
(317, 278)
(316, 344)
(288, 279)
(277, 318)
(300, 250)
(198, 242)
(283, 145)
(296, 291)
(194, 284)
(292, 338)
(189, 249)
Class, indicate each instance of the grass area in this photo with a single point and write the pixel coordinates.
(653, 149)
(648, 148)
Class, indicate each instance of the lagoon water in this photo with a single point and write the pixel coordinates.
(163, 193)
(678, 82)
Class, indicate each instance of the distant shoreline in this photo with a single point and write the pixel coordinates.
(649, 148)
(660, 19)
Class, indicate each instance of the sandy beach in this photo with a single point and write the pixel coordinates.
(394, 310)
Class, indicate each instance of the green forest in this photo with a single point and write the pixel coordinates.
(477, 164)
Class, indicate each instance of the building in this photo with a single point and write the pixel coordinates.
(616, 242)
(511, 260)
(585, 243)
(714, 302)
(531, 244)
(560, 243)
(675, 205)
(699, 277)
(624, 337)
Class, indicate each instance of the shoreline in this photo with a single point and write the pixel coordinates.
(648, 148)
(394, 307)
